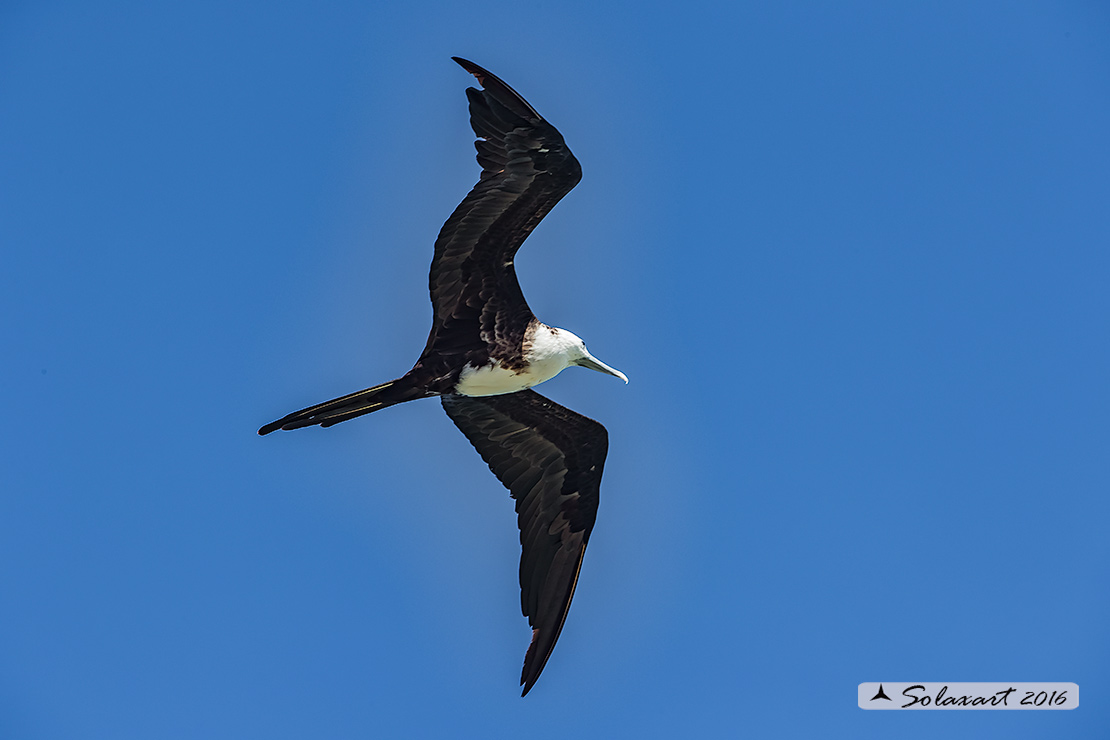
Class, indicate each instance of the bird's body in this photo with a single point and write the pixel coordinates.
(545, 352)
(486, 349)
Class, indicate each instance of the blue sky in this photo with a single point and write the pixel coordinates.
(853, 257)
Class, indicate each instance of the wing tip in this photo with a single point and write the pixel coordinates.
(497, 87)
(471, 67)
(534, 661)
(532, 670)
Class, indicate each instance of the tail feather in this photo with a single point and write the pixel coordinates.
(347, 407)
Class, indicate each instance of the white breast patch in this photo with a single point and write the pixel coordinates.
(492, 380)
(546, 352)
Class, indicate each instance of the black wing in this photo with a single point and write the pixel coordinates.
(526, 169)
(550, 459)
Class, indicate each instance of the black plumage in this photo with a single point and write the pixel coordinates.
(549, 457)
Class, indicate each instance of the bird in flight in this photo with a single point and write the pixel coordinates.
(486, 350)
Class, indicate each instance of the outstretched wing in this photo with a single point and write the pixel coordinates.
(526, 169)
(550, 458)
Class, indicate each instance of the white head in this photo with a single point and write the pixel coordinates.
(575, 352)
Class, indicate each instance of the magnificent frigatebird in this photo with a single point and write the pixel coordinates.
(486, 350)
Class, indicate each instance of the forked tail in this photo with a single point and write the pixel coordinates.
(349, 406)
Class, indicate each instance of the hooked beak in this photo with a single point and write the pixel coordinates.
(595, 364)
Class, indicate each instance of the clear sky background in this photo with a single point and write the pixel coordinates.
(854, 258)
